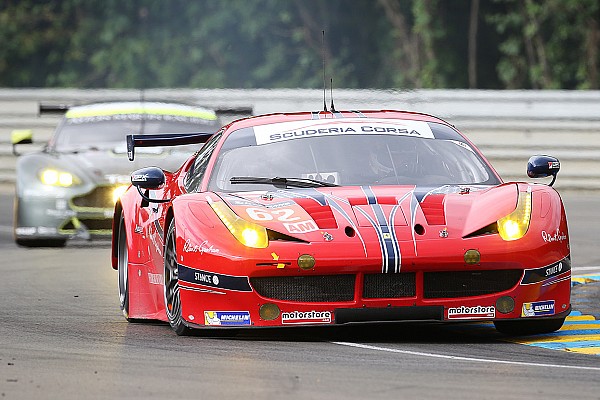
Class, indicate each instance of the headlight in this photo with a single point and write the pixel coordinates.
(515, 225)
(247, 233)
(55, 177)
(118, 192)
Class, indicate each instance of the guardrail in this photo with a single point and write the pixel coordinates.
(508, 126)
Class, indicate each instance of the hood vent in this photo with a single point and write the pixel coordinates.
(433, 209)
(322, 215)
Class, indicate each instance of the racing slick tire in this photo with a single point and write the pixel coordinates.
(529, 327)
(123, 269)
(41, 242)
(172, 299)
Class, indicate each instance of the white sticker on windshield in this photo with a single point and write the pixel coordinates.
(463, 145)
(347, 126)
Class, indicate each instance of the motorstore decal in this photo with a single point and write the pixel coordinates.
(306, 317)
(538, 308)
(467, 312)
(549, 271)
(227, 318)
(272, 133)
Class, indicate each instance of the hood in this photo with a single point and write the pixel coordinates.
(309, 213)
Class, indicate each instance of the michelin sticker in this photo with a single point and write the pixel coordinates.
(348, 126)
(227, 318)
(538, 308)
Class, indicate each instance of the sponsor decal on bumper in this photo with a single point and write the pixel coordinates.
(40, 230)
(306, 317)
(474, 312)
(538, 308)
(227, 318)
(536, 275)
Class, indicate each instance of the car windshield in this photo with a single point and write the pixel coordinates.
(348, 160)
(78, 134)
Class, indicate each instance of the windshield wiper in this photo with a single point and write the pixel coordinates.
(281, 182)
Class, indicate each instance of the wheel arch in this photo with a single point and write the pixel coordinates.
(115, 234)
(169, 216)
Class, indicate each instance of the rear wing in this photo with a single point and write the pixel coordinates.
(164, 139)
(222, 112)
(56, 109)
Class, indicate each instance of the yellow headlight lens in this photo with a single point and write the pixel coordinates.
(118, 192)
(515, 225)
(247, 233)
(54, 177)
(251, 237)
(49, 177)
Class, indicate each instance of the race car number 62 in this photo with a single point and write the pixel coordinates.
(283, 215)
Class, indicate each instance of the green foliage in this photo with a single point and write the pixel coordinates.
(278, 43)
(548, 44)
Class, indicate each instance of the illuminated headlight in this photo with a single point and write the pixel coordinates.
(53, 177)
(515, 225)
(247, 233)
(118, 192)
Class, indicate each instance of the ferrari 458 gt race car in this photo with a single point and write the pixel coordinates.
(69, 189)
(340, 217)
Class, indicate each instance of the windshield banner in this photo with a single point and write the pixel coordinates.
(348, 126)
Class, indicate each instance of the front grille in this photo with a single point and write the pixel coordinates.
(100, 197)
(390, 286)
(91, 224)
(468, 283)
(320, 288)
(97, 224)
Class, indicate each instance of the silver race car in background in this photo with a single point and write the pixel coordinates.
(69, 189)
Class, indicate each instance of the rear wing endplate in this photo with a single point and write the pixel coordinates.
(164, 139)
(56, 109)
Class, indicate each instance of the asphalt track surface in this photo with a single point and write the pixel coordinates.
(62, 335)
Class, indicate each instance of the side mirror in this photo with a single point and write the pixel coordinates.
(20, 136)
(149, 178)
(543, 166)
(152, 178)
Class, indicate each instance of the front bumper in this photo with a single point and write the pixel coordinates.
(210, 299)
(84, 213)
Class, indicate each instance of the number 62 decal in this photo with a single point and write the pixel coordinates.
(283, 214)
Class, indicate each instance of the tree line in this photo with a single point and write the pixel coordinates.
(485, 44)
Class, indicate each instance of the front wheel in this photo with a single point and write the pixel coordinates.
(529, 326)
(172, 299)
(41, 242)
(123, 269)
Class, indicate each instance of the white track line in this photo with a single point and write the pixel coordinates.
(590, 268)
(459, 358)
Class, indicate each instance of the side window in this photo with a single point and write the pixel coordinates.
(197, 170)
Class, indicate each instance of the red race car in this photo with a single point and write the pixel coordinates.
(340, 217)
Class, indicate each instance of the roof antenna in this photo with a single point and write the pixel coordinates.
(331, 88)
(143, 119)
(323, 56)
